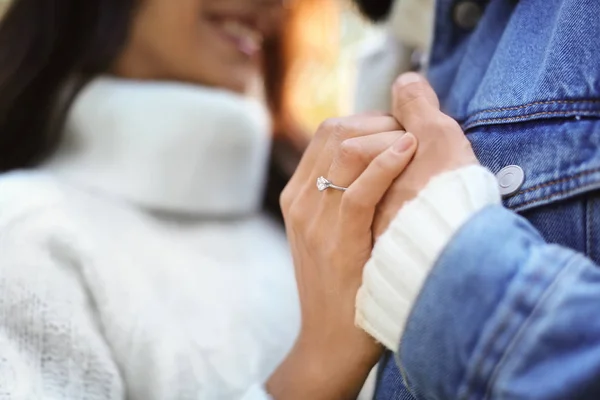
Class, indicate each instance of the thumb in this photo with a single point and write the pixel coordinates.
(414, 100)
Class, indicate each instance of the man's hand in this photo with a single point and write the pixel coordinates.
(442, 144)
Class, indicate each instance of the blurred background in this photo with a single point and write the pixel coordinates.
(322, 78)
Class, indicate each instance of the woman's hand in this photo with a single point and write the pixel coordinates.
(331, 240)
(442, 144)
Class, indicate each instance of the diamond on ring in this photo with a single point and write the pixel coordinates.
(323, 184)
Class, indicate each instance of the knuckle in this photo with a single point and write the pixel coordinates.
(333, 127)
(285, 199)
(300, 213)
(409, 92)
(446, 123)
(328, 124)
(349, 152)
(341, 131)
(294, 213)
(325, 128)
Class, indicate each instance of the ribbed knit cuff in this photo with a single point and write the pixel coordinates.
(406, 252)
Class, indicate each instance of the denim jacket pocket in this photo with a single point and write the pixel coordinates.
(560, 158)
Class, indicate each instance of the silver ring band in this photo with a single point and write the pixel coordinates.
(323, 184)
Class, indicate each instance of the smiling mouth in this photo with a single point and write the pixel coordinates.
(239, 31)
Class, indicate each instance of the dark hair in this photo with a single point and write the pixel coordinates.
(45, 45)
(49, 49)
(376, 10)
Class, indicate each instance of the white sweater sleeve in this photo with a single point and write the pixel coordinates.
(406, 252)
(50, 343)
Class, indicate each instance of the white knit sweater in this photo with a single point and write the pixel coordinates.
(136, 263)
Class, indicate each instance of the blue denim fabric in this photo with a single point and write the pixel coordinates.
(533, 331)
(525, 86)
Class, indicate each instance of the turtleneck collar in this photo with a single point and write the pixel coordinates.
(166, 146)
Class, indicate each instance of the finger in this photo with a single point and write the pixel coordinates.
(373, 113)
(349, 128)
(339, 130)
(354, 156)
(317, 159)
(414, 101)
(335, 131)
(319, 140)
(360, 200)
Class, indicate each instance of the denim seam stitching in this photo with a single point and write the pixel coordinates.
(403, 375)
(561, 180)
(501, 327)
(569, 262)
(537, 103)
(563, 192)
(588, 228)
(519, 118)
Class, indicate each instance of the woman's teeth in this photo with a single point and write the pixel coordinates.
(248, 39)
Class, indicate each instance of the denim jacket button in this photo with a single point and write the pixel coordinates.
(467, 14)
(510, 180)
(418, 60)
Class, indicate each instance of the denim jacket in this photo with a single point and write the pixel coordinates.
(512, 308)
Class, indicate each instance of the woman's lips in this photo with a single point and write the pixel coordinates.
(240, 32)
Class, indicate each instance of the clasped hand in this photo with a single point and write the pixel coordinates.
(332, 233)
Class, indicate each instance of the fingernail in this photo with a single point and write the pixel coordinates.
(404, 143)
(408, 78)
